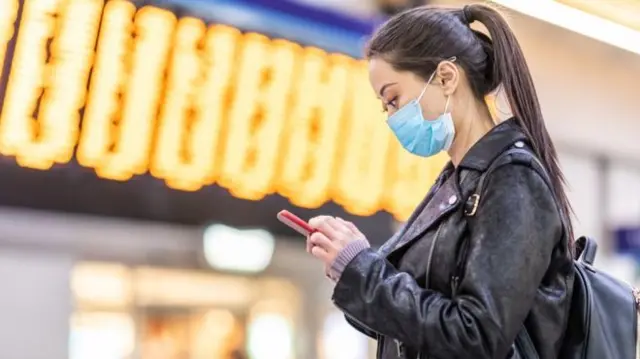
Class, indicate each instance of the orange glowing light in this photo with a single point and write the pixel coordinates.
(196, 105)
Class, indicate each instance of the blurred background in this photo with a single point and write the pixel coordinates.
(148, 144)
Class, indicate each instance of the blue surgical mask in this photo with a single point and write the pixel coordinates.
(422, 137)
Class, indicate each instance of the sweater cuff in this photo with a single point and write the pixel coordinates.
(345, 256)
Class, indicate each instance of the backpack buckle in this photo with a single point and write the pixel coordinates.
(471, 206)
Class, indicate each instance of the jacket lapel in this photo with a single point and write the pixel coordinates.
(445, 200)
(392, 242)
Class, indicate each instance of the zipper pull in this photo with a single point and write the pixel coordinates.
(455, 281)
(400, 348)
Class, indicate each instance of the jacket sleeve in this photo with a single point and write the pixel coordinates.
(511, 239)
(360, 328)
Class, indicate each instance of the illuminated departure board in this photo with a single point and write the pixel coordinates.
(128, 91)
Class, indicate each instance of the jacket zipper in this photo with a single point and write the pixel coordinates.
(461, 258)
(456, 279)
(431, 251)
(460, 264)
(400, 348)
(399, 345)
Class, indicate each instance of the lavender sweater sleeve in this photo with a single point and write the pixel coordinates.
(345, 256)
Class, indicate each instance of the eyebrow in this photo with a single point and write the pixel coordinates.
(384, 88)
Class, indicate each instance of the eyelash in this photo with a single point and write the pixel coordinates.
(385, 107)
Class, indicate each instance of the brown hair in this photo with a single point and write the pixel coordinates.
(417, 40)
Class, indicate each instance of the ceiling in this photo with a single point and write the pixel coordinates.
(624, 12)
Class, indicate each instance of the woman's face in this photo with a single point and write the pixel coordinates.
(396, 89)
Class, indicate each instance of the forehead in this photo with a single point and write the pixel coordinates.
(380, 73)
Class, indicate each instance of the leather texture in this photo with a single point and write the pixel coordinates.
(518, 269)
(604, 315)
(603, 319)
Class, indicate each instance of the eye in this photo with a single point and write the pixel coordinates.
(391, 104)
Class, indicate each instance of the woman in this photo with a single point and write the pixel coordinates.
(460, 282)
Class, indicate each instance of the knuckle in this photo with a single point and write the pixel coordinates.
(318, 221)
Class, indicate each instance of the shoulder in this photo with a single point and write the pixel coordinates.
(516, 175)
(517, 169)
(516, 193)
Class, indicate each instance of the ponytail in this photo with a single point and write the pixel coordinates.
(510, 70)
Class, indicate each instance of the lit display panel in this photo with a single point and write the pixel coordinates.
(129, 90)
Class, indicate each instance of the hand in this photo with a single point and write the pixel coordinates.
(333, 235)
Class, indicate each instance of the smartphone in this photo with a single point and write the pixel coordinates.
(296, 223)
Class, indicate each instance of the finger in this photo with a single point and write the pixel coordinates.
(320, 253)
(329, 228)
(320, 240)
(337, 225)
(346, 234)
(317, 221)
(352, 227)
(327, 271)
(309, 245)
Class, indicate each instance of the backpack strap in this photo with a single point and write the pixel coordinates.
(472, 203)
(523, 341)
(471, 208)
(586, 249)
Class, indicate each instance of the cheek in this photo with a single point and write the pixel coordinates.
(432, 106)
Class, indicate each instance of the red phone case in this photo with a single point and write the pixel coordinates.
(295, 222)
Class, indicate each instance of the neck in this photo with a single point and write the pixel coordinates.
(476, 122)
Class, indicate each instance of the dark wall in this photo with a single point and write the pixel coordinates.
(73, 189)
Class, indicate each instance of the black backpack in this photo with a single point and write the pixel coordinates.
(603, 319)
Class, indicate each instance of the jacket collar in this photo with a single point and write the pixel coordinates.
(492, 144)
(445, 196)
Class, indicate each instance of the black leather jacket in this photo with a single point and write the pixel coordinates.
(517, 270)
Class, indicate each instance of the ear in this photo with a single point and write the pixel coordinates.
(448, 77)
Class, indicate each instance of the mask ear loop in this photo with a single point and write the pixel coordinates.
(446, 104)
(425, 86)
